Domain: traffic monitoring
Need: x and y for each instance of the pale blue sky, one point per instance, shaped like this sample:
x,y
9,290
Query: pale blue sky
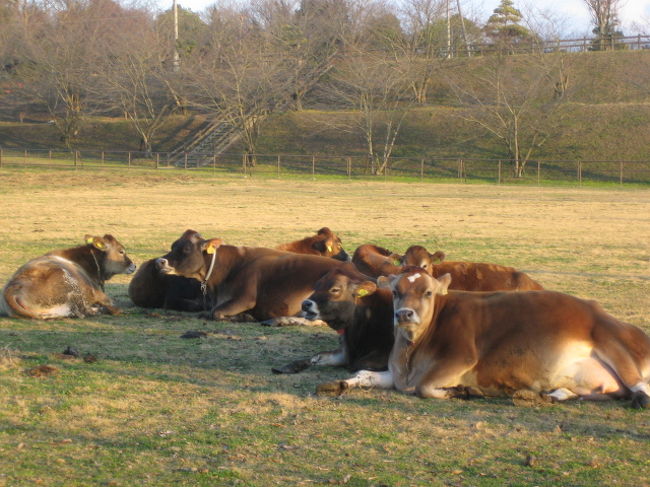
x,y
569,16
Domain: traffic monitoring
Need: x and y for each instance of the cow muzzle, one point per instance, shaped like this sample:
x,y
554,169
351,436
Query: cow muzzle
x,y
131,269
405,316
310,309
163,266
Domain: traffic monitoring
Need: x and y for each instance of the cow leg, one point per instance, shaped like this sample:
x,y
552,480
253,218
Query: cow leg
x,y
445,377
335,358
613,347
292,321
363,378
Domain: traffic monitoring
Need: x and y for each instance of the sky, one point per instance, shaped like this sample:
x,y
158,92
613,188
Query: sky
x,y
569,17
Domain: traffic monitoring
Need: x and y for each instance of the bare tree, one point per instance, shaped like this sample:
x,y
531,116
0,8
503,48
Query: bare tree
x,y
516,100
237,77
604,16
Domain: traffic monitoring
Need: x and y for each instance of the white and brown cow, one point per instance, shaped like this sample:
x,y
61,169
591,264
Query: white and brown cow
x,y
506,343
67,283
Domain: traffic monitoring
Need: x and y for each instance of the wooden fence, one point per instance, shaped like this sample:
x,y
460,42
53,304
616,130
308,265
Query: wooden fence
x,y
337,166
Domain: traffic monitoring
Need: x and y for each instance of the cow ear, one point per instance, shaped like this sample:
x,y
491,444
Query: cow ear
x,y
366,288
324,231
437,257
211,246
97,242
319,245
384,281
444,282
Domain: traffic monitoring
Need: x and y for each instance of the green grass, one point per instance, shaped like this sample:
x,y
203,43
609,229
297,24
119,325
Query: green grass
x,y
155,409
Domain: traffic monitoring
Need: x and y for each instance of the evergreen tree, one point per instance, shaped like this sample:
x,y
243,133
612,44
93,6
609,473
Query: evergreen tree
x,y
504,28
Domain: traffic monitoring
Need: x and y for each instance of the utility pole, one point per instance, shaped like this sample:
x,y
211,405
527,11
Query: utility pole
x,y
448,32
177,60
462,26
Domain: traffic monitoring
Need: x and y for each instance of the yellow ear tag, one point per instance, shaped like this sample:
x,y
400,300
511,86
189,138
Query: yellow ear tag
x,y
362,292
444,292
210,250
89,240
329,248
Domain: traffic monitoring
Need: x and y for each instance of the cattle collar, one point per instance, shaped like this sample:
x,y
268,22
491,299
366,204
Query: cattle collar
x,y
204,284
99,271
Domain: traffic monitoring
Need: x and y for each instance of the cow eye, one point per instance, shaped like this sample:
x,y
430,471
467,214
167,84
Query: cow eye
x,y
335,290
428,294
122,252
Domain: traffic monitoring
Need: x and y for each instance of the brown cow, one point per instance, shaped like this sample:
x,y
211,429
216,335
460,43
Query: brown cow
x,y
470,276
360,313
541,342
325,243
375,261
68,282
151,289
265,283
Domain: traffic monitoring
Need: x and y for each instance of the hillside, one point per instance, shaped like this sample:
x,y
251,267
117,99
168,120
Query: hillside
x,y
608,117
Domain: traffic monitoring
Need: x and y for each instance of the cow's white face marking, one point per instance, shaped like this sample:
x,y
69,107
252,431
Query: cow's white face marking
x,y
414,277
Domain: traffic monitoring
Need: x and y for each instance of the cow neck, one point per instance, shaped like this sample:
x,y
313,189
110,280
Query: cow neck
x,y
222,262
85,258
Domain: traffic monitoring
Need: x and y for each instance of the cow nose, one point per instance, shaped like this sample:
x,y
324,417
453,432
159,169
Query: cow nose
x,y
307,305
161,263
405,315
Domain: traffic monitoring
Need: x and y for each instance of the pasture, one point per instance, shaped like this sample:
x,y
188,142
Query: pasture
x,y
156,409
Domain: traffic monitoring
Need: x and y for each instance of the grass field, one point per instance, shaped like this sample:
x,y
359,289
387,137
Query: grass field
x,y
155,409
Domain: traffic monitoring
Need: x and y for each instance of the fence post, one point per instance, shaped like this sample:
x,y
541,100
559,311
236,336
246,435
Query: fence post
x,y
129,159
214,163
349,167
313,167
49,153
421,170
580,173
538,172
278,165
243,164
499,182
620,172
0,157
75,159
25,158
103,158
185,159
157,160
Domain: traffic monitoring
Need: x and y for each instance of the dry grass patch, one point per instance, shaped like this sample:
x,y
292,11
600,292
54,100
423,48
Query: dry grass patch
x,y
156,409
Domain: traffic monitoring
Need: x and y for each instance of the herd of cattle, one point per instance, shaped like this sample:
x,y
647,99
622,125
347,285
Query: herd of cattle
x,y
413,322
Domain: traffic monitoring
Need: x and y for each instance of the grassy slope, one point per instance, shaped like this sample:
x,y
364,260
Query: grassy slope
x,y
608,118
159,410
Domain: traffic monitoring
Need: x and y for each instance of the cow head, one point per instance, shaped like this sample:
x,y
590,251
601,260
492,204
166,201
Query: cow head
x,y
335,297
414,294
187,256
328,244
416,255
111,258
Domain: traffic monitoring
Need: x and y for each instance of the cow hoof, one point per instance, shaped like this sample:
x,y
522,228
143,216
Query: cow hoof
x,y
292,368
640,400
334,388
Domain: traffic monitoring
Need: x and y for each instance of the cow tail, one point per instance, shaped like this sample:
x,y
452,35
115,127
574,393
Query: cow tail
x,y
10,306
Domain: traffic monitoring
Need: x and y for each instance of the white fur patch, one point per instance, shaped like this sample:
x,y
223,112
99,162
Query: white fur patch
x,y
414,277
368,378
641,387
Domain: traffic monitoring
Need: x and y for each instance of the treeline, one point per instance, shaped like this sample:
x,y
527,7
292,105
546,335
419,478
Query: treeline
x,y
239,62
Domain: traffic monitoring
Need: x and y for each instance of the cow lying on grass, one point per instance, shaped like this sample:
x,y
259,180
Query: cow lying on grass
x,y
66,283
150,288
325,243
469,276
541,342
375,261
263,283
